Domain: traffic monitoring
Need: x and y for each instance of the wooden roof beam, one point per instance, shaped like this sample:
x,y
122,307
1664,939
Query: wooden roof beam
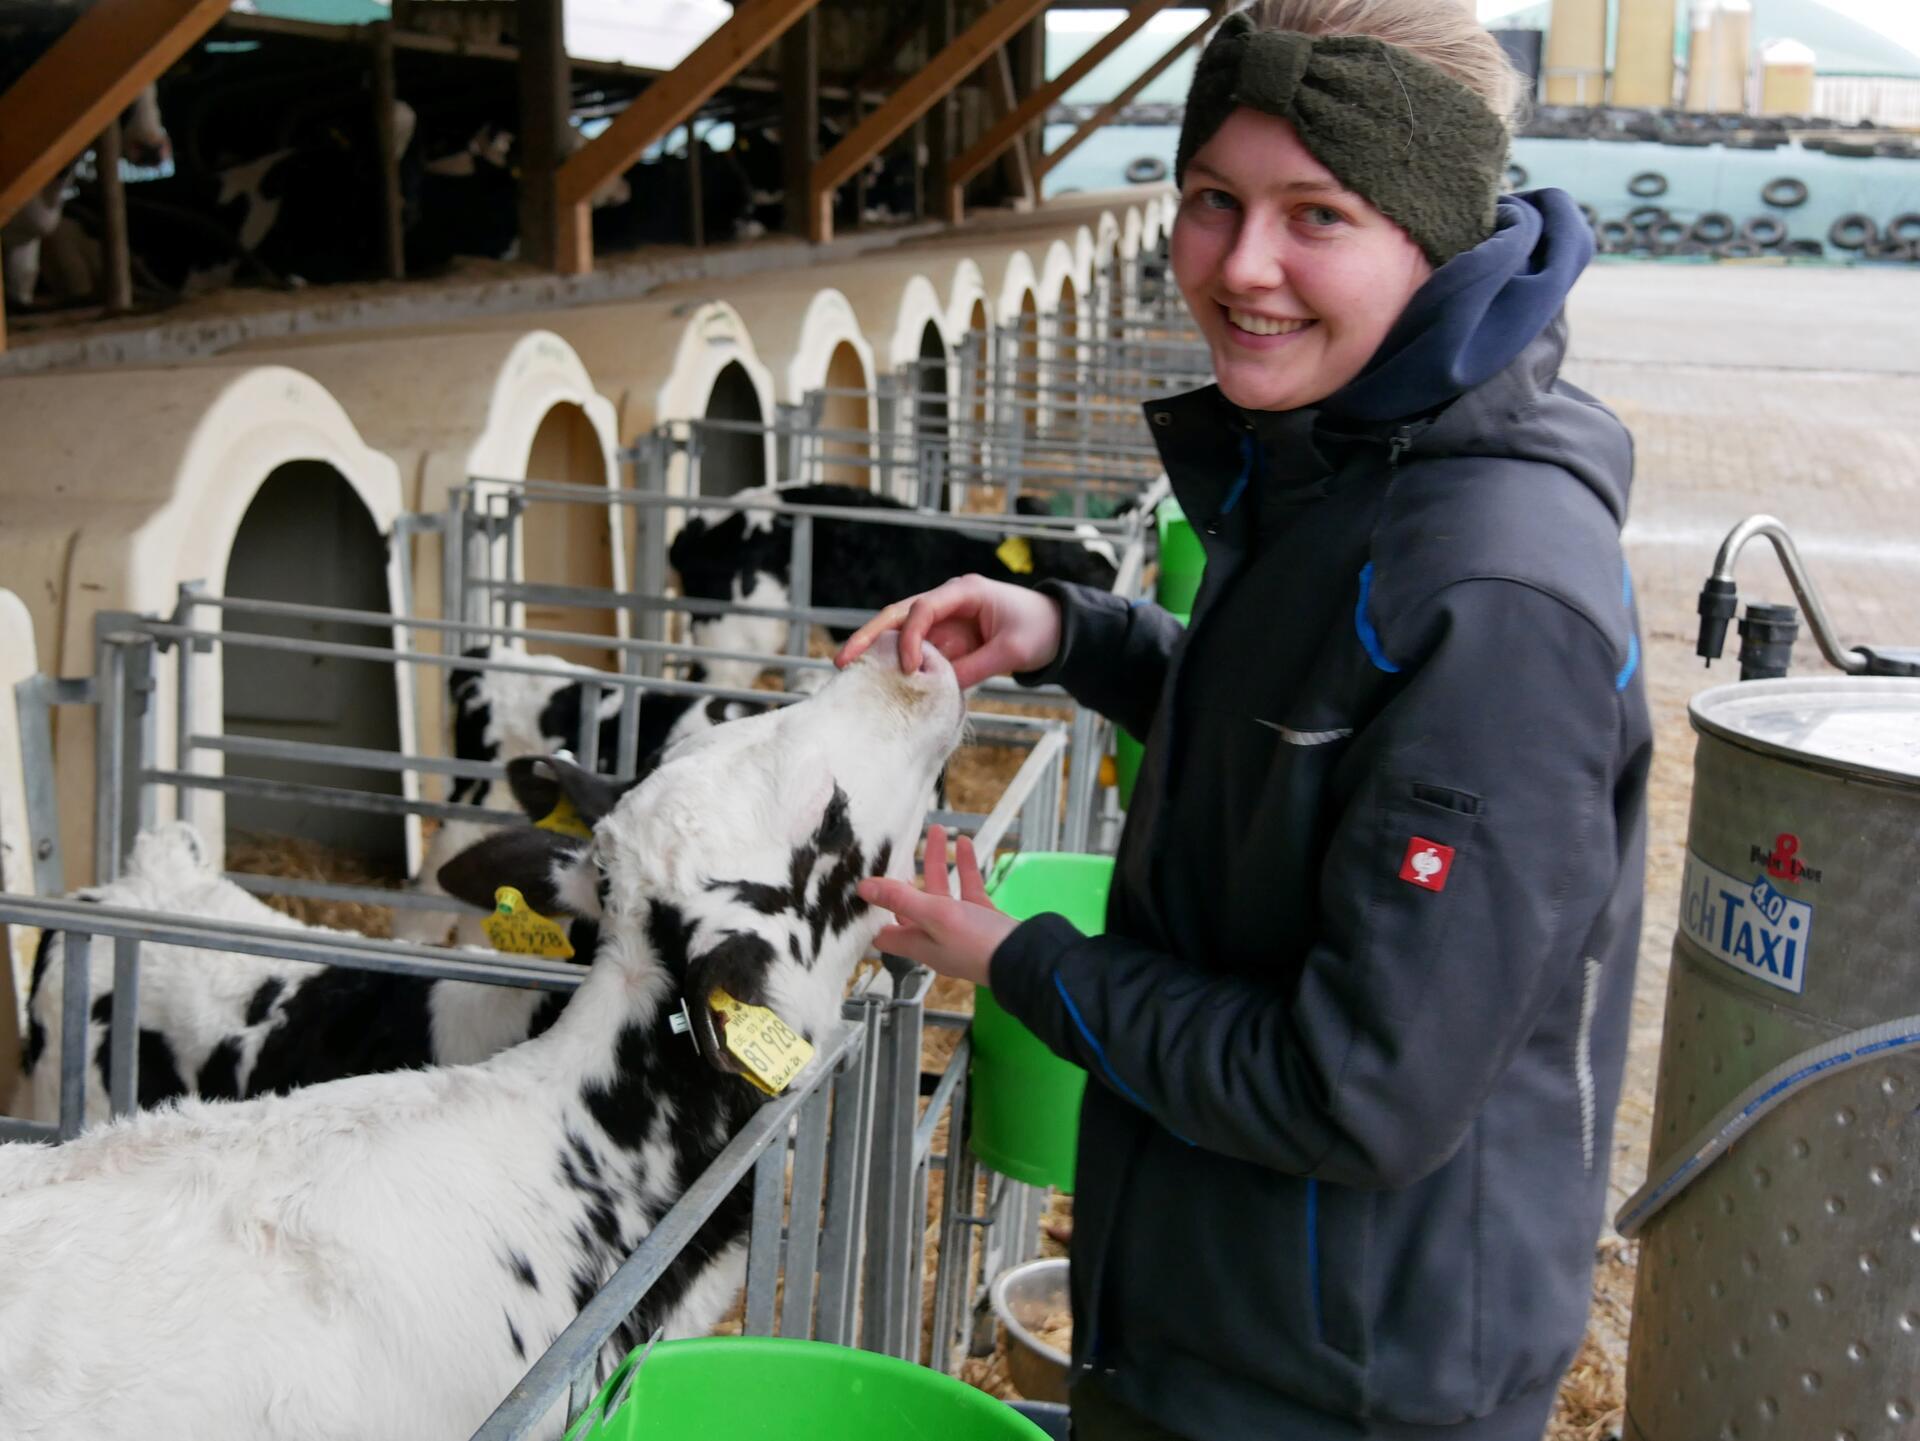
x,y
113,51
913,99
1010,127
671,100
1113,107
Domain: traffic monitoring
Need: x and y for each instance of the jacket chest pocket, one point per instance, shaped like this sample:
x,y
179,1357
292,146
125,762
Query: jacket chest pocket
x,y
1425,857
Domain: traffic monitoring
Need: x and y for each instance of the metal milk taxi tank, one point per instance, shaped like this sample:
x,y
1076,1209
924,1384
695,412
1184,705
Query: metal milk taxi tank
x,y
1779,1229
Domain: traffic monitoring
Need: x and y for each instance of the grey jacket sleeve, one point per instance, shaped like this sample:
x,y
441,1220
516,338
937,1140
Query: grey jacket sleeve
x,y
1418,993
1113,656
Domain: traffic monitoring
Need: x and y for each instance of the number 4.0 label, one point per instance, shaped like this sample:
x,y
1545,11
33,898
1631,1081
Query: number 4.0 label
x,y
1749,925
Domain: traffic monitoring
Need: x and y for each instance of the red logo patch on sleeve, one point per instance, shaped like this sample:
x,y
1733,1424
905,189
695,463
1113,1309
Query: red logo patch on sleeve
x,y
1427,864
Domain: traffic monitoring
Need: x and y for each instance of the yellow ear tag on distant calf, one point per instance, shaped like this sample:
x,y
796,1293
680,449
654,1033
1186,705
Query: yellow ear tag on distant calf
x,y
565,820
1016,555
518,929
769,1050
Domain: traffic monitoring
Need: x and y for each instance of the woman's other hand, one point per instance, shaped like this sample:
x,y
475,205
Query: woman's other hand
x,y
955,938
985,627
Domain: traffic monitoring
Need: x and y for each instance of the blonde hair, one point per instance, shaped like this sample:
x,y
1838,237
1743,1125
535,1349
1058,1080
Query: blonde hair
x,y
1444,33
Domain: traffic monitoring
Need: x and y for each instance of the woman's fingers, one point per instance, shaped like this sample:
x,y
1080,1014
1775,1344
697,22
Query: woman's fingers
x,y
936,862
973,889
984,663
892,618
905,901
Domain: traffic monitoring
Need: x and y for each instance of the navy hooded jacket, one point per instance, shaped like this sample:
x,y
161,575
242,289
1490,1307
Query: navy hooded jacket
x,y
1357,1026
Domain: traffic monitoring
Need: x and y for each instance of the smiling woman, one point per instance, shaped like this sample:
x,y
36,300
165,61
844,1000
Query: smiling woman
x,y
1293,278
1358,1016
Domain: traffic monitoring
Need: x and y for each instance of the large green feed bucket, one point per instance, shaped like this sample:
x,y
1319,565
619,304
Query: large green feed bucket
x,y
1182,559
1128,752
763,1389
1026,1100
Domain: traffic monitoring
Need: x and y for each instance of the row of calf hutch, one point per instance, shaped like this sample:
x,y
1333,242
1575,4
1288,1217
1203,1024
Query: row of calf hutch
x,y
296,488
284,470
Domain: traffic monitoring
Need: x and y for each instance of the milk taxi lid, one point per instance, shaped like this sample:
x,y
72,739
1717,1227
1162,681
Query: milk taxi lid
x,y
1867,726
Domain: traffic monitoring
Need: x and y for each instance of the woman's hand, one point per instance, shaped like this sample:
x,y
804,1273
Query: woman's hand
x,y
985,627
955,938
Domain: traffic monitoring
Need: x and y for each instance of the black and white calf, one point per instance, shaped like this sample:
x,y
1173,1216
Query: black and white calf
x,y
745,557
383,1256
223,1027
500,716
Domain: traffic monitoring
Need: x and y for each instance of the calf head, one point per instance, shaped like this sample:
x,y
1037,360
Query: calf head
x,y
734,865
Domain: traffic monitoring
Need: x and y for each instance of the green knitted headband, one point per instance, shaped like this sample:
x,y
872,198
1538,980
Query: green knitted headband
x,y
1420,147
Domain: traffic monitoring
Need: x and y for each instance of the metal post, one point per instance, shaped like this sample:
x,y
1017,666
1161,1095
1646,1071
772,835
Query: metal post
x,y
117,253
76,982
123,1034
385,102
803,1227
109,756
763,1238
800,594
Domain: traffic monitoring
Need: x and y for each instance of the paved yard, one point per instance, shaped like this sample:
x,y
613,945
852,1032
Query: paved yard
x,y
1795,392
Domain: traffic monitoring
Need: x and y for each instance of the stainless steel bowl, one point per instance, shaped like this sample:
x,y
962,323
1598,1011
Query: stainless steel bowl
x,y
1022,1300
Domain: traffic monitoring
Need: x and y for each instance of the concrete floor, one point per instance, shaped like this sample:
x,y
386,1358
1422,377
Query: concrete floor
x,y
1790,391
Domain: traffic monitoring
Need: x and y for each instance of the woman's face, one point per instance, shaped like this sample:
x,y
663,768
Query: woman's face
x,y
1295,280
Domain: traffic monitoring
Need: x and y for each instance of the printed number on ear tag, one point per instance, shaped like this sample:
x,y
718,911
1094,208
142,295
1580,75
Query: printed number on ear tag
x,y
565,820
518,929
1016,555
769,1050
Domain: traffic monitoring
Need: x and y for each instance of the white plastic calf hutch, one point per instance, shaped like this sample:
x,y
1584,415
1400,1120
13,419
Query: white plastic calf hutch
x,y
906,323
510,404
17,663
810,340
677,359
119,487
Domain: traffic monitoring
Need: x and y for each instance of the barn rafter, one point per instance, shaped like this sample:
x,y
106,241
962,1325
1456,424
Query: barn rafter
x,y
954,63
1106,113
1011,126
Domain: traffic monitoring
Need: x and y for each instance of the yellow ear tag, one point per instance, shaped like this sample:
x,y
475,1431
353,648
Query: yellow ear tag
x,y
518,929
767,1048
565,820
1016,555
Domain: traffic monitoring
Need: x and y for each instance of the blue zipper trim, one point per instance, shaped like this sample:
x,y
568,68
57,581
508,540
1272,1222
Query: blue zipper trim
x,y
1363,625
1100,1055
1313,1259
1245,477
1633,638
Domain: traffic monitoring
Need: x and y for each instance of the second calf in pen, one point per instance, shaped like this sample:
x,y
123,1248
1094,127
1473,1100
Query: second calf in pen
x,y
223,1027
384,1256
745,557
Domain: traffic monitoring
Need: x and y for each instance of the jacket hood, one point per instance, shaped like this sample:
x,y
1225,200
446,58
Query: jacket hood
x,y
1477,313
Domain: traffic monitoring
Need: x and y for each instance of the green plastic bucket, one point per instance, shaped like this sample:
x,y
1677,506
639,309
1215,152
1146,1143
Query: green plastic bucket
x,y
1026,1100
1182,559
1128,752
766,1389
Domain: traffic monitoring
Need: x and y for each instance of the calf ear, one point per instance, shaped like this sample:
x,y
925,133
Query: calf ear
x,y
539,864
689,535
538,783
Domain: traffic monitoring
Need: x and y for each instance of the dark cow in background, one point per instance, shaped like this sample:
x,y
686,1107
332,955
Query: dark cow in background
x,y
745,557
889,176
